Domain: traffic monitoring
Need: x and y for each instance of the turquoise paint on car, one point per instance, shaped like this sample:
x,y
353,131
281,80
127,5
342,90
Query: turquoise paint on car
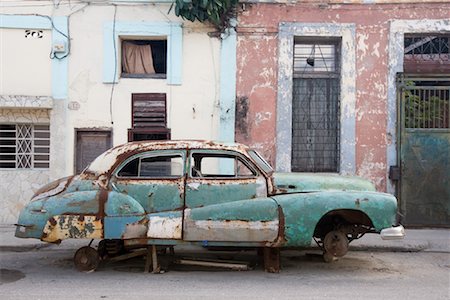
x,y
210,206
198,194
120,205
115,227
154,196
313,182
260,209
299,226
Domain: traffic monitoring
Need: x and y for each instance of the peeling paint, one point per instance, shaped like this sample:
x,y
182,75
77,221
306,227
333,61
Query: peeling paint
x,y
61,227
372,53
164,227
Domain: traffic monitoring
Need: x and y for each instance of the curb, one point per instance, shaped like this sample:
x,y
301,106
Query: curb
x,y
406,248
23,248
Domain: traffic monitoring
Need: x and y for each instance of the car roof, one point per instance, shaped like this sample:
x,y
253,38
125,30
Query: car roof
x,y
107,160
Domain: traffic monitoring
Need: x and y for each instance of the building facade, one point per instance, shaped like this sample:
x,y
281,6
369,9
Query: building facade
x,y
347,87
80,77
318,91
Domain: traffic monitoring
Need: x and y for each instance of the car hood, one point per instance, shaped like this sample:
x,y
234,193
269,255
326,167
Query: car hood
x,y
286,183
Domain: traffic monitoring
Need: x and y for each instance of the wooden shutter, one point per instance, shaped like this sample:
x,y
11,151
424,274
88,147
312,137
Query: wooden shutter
x,y
149,117
149,110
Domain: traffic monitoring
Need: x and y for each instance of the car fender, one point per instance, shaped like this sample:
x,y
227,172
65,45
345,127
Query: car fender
x,y
303,211
84,214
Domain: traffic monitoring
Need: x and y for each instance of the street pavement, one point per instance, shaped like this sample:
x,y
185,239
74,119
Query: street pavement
x,y
417,267
416,240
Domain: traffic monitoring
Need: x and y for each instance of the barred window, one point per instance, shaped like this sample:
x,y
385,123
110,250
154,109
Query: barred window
x,y
24,146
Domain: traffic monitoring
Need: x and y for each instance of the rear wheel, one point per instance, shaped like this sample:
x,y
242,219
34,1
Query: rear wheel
x,y
335,244
86,259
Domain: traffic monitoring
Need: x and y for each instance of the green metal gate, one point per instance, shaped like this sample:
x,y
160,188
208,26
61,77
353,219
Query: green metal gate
x,y
424,149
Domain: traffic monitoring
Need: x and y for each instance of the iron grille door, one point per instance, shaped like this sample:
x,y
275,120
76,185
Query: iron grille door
x,y
424,150
315,107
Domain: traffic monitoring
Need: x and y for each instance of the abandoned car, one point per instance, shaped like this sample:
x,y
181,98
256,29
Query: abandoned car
x,y
211,194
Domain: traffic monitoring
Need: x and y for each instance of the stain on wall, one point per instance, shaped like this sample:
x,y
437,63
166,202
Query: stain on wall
x,y
257,71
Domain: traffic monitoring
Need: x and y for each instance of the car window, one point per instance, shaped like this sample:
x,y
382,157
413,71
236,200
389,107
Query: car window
x,y
260,161
153,167
219,165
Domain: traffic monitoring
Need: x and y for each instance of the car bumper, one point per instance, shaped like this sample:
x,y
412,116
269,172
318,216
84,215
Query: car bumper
x,y
393,233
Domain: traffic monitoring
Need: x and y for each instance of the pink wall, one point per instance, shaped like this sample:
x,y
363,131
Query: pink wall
x,y
257,72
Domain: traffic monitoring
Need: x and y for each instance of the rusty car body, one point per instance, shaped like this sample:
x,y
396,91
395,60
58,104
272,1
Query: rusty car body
x,y
206,193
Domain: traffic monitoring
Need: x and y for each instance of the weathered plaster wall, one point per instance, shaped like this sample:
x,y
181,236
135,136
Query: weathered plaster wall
x,y
192,103
17,187
79,97
287,32
258,68
19,67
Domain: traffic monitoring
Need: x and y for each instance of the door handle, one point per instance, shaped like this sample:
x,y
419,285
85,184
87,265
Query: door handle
x,y
193,186
113,185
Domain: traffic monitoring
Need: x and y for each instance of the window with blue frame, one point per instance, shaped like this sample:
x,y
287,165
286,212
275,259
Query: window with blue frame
x,y
144,58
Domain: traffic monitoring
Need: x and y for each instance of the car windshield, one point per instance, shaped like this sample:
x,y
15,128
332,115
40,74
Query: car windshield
x,y
262,163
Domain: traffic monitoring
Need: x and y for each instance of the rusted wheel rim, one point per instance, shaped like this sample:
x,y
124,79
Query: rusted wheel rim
x,y
336,243
86,259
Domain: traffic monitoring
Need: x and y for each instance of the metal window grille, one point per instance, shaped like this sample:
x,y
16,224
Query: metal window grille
x,y
427,54
426,101
316,60
24,146
315,107
428,46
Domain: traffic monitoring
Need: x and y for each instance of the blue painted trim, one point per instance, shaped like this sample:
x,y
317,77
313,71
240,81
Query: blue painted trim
x,y
227,86
173,32
24,22
59,67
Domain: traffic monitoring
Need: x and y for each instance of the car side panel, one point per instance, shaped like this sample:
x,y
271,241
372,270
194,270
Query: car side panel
x,y
154,195
304,210
252,220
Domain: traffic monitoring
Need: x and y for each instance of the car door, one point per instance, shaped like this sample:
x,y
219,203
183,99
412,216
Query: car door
x,y
156,180
226,199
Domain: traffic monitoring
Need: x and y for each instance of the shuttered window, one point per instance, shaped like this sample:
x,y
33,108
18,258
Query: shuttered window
x,y
149,117
24,146
149,110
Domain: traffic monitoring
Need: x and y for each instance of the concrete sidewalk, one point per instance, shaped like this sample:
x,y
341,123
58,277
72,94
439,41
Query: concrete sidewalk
x,y
431,240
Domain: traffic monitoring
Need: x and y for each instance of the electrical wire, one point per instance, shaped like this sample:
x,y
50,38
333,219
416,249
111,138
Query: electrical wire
x,y
115,65
67,36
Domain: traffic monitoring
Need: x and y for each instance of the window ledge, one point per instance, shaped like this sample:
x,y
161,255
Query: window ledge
x,y
144,76
26,102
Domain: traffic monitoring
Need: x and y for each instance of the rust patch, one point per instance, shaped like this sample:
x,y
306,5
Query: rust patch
x,y
272,260
280,240
136,230
72,226
102,198
52,221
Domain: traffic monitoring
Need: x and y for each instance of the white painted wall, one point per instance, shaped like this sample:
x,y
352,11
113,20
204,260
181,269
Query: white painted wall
x,y
25,61
17,187
192,107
